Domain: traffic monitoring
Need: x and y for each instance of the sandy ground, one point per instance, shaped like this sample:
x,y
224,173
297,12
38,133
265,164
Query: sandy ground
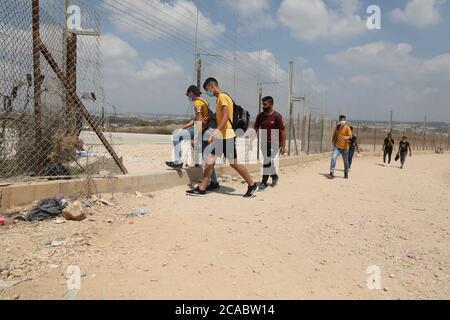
x,y
308,238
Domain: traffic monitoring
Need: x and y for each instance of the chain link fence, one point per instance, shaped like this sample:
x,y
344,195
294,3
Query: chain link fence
x,y
51,91
314,134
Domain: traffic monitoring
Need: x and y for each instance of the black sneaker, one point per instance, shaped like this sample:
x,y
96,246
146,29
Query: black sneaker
x,y
262,186
196,193
213,187
174,165
346,176
251,191
275,180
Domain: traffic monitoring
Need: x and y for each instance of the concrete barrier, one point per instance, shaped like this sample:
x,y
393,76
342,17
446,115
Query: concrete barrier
x,y
26,192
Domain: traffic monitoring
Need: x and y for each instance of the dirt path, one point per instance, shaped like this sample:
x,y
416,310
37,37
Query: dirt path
x,y
309,238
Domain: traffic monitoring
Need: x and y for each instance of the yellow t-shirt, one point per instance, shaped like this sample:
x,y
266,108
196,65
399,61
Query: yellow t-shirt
x,y
225,100
339,135
201,106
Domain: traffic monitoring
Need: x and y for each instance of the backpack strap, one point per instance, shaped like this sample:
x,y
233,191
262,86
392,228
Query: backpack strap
x,y
210,112
229,118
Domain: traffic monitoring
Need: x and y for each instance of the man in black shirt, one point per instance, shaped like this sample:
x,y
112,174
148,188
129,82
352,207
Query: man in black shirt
x,y
388,148
403,149
353,147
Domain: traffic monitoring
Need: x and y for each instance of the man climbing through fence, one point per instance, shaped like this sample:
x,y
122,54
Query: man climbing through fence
x,y
204,119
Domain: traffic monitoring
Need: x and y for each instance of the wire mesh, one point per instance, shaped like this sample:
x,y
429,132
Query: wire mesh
x,y
51,86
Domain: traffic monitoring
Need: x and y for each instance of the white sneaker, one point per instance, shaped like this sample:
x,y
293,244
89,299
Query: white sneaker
x,y
385,165
389,165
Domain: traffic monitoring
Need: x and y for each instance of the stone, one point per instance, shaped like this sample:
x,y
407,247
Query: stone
x,y
74,212
58,242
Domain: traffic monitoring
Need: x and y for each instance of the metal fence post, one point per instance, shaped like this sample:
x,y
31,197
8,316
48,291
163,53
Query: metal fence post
x,y
322,133
448,138
37,87
309,133
375,141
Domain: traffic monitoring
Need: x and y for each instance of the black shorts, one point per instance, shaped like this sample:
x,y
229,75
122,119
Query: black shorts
x,y
225,147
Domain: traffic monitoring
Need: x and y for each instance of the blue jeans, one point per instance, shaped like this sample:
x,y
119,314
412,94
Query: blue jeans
x,y
336,152
187,135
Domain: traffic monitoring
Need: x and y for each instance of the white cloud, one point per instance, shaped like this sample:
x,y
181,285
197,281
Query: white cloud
x,y
155,19
419,13
115,48
134,83
254,14
121,58
313,19
384,76
395,58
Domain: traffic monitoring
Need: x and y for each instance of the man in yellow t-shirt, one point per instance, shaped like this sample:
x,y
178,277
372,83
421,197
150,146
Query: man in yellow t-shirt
x,y
341,142
205,120
223,141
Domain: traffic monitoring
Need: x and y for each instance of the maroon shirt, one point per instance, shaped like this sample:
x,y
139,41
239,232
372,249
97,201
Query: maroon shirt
x,y
269,123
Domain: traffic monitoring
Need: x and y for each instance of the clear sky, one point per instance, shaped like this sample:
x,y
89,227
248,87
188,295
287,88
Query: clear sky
x,y
340,65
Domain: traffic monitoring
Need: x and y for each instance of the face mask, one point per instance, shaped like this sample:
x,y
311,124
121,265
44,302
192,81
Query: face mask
x,y
343,122
209,94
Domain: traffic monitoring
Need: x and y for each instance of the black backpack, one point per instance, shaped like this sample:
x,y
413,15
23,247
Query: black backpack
x,y
241,117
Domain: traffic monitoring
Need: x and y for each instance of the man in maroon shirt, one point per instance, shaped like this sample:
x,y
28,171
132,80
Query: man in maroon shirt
x,y
273,139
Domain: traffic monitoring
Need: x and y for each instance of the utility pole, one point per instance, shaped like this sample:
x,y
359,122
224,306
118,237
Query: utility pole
x,y
424,133
291,104
448,138
198,69
37,86
291,101
235,57
198,62
259,112
392,118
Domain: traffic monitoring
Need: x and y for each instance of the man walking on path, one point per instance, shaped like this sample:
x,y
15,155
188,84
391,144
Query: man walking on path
x,y
273,140
223,142
403,149
388,149
341,138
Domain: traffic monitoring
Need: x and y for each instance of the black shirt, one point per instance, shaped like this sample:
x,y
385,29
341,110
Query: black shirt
x,y
352,141
404,146
389,143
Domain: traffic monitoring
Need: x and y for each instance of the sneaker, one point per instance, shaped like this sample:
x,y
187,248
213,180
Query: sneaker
x,y
346,176
262,186
251,191
330,176
275,181
213,187
174,165
196,193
